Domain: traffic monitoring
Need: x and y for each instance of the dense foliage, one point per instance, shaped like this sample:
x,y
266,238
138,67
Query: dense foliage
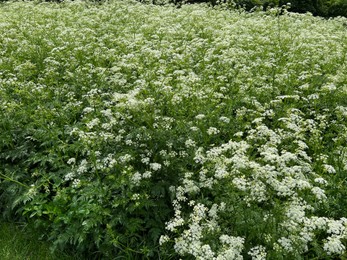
x,y
139,131
20,241
325,8
316,7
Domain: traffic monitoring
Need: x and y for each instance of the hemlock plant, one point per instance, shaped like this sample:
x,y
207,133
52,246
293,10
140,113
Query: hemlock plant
x,y
131,130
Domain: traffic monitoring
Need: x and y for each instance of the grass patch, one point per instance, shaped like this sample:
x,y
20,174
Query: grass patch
x,y
18,241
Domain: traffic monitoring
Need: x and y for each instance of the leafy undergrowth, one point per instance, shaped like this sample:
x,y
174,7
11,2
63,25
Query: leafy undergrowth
x,y
18,241
139,131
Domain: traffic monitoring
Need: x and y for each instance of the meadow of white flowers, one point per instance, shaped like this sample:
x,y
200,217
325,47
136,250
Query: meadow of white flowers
x,y
222,134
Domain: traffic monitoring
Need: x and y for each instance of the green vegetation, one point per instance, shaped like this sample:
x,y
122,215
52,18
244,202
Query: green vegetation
x,y
140,131
325,8
18,242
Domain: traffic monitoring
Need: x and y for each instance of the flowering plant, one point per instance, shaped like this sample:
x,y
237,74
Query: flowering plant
x,y
150,131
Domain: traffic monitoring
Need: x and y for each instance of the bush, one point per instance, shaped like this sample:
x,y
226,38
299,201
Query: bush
x,y
326,8
142,131
338,8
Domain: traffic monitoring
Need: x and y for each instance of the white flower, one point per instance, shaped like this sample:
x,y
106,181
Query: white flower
x,y
206,252
163,239
319,193
342,110
82,168
328,87
335,227
313,96
155,166
136,178
329,169
221,172
334,246
128,142
257,253
320,181
69,176
200,116
135,196
76,183
238,134
176,222
189,143
93,123
286,244
145,160
233,248
240,183
146,175
71,161
224,119
125,158
88,110
212,131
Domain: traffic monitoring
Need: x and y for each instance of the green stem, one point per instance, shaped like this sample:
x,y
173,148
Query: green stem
x,y
3,176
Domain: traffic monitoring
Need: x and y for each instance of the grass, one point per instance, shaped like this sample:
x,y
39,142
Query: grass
x,y
20,242
17,242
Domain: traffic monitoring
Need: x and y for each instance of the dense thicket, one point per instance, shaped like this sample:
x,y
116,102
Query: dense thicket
x,y
324,8
133,131
316,7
